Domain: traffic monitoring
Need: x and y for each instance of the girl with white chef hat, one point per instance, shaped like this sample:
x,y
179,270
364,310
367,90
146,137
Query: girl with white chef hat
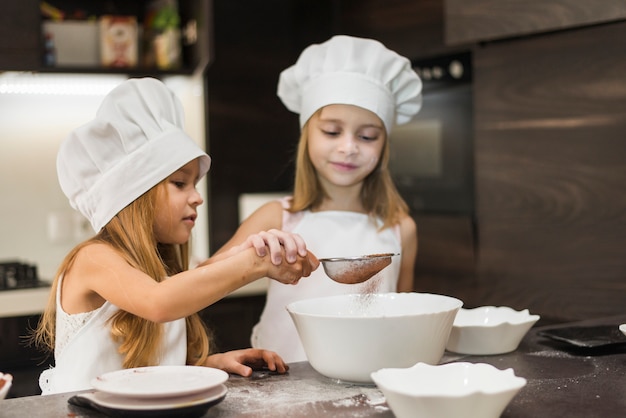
x,y
126,298
349,93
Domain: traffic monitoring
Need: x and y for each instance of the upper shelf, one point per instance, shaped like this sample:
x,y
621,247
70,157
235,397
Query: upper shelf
x,y
27,38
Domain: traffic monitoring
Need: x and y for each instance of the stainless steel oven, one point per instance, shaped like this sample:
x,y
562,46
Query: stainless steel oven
x,y
432,156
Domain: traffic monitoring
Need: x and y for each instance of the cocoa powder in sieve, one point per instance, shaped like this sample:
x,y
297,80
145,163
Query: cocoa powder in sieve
x,y
364,271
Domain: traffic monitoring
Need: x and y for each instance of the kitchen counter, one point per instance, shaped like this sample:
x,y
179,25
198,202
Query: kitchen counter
x,y
22,302
562,381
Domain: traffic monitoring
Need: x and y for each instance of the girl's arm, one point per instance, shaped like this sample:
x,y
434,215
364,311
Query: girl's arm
x,y
100,273
408,236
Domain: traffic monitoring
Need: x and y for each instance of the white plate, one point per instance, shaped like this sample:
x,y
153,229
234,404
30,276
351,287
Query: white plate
x,y
110,401
623,328
159,381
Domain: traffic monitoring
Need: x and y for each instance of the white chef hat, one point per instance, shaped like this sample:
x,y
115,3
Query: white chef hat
x,y
354,71
135,141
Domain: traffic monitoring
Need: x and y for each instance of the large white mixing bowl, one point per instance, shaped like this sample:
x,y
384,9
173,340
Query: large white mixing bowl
x,y
347,337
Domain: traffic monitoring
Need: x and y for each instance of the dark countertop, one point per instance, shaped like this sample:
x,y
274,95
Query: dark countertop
x,y
562,381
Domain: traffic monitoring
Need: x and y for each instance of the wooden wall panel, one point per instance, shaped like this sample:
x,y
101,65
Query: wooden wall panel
x,y
551,172
446,258
481,20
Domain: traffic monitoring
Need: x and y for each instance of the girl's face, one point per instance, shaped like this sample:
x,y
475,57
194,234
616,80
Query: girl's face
x,y
176,205
345,144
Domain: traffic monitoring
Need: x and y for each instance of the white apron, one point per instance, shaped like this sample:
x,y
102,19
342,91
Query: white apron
x,y
91,351
327,234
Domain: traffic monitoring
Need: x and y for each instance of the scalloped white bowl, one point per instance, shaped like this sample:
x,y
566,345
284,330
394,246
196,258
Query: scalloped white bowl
x,y
623,328
7,381
347,337
448,391
489,330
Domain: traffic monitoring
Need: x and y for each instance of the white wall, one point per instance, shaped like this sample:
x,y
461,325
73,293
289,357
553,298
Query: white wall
x,y
31,129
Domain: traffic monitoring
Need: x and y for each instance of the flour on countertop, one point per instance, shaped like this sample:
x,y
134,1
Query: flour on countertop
x,y
551,354
257,396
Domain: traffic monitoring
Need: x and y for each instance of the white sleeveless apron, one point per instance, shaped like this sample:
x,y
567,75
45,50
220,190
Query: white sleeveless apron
x,y
91,351
326,234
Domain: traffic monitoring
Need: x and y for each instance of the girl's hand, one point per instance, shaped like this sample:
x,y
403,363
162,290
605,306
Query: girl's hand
x,y
278,243
291,273
242,362
266,251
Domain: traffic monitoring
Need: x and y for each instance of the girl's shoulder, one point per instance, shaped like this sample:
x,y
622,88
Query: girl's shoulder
x,y
285,202
97,253
406,221
96,247
289,219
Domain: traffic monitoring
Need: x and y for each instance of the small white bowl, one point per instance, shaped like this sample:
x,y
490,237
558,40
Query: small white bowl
x,y
623,328
489,330
449,390
6,380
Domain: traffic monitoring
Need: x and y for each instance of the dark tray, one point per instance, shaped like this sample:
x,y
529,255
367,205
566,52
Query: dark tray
x,y
587,336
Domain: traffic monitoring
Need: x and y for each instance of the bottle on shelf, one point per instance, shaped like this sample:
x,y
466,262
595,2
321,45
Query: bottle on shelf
x,y
49,54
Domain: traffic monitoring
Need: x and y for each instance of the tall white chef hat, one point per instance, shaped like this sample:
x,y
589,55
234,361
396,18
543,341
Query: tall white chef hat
x,y
135,141
354,71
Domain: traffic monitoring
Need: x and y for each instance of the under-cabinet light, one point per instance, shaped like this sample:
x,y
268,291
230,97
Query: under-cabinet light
x,y
58,84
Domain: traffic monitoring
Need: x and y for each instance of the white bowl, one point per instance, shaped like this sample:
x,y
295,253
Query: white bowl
x,y
6,380
347,337
623,328
489,330
450,390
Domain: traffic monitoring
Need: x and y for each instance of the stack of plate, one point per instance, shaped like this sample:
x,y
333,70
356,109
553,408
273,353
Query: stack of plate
x,y
181,391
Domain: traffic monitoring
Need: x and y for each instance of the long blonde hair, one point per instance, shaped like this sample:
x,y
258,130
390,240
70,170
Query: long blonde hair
x,y
131,233
379,195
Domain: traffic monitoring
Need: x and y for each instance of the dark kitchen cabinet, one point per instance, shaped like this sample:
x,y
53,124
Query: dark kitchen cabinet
x,y
414,29
230,321
251,136
18,358
22,42
19,35
485,20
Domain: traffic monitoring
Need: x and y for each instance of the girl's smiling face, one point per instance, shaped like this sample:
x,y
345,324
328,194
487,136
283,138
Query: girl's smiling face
x,y
176,206
345,144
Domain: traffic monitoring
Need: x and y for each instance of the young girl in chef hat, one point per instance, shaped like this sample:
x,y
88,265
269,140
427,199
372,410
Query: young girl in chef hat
x,y
349,93
125,298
